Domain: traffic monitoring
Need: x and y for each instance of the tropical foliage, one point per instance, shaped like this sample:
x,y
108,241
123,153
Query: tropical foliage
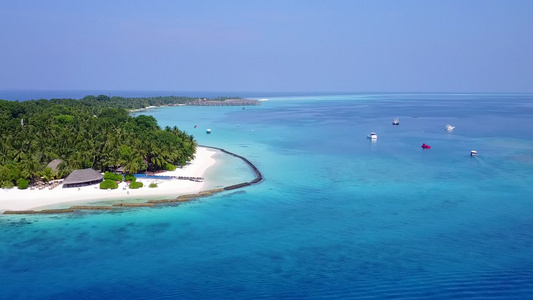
x,y
112,176
94,132
22,183
136,185
130,177
170,167
7,184
108,184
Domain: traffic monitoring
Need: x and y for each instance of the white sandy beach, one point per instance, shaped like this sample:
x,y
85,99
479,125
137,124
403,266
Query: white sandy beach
x,y
145,108
15,199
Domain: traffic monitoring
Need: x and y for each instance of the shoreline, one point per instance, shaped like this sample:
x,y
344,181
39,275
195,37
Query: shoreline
x,y
22,200
92,198
227,102
145,108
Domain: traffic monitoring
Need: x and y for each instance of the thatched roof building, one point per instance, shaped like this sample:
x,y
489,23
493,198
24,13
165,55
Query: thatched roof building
x,y
54,164
82,178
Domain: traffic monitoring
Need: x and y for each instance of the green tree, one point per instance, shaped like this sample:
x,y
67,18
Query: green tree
x,y
131,160
29,166
47,174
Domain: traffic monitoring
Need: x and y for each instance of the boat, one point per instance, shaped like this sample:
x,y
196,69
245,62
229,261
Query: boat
x,y
473,153
449,127
372,136
195,126
424,146
208,131
396,121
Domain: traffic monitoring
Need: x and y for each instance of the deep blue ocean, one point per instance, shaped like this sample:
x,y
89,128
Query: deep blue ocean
x,y
337,217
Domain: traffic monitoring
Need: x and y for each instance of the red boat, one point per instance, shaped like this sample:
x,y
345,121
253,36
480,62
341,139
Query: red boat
x,y
424,146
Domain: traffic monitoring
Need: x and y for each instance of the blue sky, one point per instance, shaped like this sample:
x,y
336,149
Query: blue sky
x,y
338,46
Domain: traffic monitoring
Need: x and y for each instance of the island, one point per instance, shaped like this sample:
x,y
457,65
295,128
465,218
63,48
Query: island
x,y
69,150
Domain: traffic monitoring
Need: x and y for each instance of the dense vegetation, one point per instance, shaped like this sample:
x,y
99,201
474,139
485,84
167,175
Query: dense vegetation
x,y
108,184
113,176
130,178
136,103
94,132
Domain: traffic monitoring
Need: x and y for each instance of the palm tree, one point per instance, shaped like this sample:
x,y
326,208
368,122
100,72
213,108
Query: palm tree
x,y
47,174
29,166
63,169
131,160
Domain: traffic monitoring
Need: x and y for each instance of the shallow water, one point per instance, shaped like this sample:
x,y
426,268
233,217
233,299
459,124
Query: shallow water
x,y
336,217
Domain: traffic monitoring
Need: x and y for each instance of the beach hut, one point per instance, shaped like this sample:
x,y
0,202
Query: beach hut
x,y
82,178
54,164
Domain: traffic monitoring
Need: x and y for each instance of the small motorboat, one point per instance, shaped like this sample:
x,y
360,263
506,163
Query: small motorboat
x,y
424,146
473,153
396,121
372,136
195,126
208,131
449,127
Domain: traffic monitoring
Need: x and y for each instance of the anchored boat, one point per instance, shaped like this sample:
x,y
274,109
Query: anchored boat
x,y
449,127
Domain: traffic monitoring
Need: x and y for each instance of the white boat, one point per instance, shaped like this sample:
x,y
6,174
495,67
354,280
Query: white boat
x,y
473,153
208,130
449,127
372,136
396,121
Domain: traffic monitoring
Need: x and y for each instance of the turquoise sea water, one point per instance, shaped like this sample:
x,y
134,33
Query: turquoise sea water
x,y
337,216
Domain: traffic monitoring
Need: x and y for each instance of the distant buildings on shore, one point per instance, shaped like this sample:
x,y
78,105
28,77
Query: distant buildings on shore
x,y
227,102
